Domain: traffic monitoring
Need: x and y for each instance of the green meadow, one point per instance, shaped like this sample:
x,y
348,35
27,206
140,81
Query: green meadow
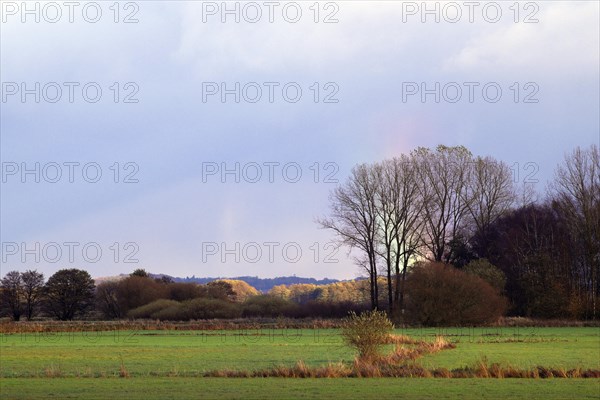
x,y
159,364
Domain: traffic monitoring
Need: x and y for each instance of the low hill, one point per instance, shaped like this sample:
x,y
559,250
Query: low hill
x,y
261,284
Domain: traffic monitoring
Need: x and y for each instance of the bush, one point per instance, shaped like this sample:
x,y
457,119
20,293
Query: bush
x,y
438,294
268,306
328,309
367,333
151,309
202,308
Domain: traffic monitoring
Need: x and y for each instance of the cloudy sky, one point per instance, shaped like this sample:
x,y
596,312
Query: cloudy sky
x,y
171,137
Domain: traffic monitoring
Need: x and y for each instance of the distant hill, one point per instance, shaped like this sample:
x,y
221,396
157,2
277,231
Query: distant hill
x,y
263,284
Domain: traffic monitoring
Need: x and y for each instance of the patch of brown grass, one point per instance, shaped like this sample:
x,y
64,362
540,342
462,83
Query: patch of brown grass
x,y
421,348
123,373
53,371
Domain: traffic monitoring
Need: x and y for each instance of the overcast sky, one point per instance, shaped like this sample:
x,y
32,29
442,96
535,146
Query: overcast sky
x,y
315,98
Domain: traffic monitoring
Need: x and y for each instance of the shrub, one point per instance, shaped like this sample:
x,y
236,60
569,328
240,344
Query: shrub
x,y
173,312
367,333
203,308
268,306
149,310
327,309
200,308
438,294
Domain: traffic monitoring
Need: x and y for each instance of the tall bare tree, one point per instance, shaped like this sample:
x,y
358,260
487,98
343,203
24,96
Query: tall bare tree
x,y
444,175
353,218
576,190
490,194
399,206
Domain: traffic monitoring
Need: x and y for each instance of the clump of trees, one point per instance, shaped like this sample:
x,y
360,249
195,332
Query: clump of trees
x,y
20,293
69,293
141,296
416,206
449,206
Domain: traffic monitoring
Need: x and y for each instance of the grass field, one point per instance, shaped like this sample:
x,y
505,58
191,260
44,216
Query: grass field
x,y
161,364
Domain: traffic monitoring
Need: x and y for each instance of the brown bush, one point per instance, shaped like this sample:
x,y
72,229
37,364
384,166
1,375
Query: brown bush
x,y
439,294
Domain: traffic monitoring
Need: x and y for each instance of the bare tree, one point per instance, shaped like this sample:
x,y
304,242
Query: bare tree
x,y
444,177
490,194
33,290
398,207
12,294
353,218
576,190
107,299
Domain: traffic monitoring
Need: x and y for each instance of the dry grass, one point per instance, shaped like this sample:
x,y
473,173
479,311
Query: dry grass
x,y
544,323
10,327
400,364
123,373
362,369
404,353
53,371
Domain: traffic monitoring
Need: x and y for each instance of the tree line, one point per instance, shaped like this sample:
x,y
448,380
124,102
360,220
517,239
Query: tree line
x,y
72,294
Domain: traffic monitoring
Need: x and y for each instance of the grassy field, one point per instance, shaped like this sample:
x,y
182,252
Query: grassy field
x,y
162,363
276,388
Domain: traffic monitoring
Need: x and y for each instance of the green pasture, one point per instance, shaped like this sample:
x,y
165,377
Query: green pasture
x,y
161,364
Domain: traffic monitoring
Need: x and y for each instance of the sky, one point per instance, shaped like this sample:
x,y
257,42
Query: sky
x,y
197,138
